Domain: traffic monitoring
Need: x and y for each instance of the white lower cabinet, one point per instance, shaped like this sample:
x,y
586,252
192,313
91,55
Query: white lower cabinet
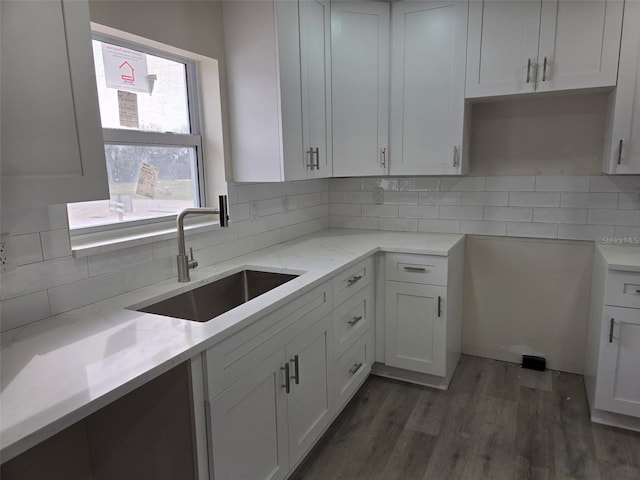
x,y
612,359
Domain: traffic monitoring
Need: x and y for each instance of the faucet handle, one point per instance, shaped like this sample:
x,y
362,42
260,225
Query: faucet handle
x,y
191,252
191,264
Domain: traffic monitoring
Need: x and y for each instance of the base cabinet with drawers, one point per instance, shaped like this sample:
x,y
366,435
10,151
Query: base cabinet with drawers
x,y
612,358
423,317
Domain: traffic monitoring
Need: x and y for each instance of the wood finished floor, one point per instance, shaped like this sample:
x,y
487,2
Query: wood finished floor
x,y
496,421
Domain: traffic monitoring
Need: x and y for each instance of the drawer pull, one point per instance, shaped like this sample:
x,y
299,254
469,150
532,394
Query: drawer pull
x,y
439,306
287,378
611,330
296,370
354,320
353,370
353,280
415,269
638,292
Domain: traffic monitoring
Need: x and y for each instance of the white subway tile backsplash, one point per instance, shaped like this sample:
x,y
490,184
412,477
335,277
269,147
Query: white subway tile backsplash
x,y
430,184
624,218
25,309
305,228
419,211
511,214
18,221
367,223
399,224
461,213
77,294
358,197
585,232
379,210
239,212
439,226
347,184
26,248
388,184
534,199
462,184
510,184
156,271
110,262
540,230
267,239
629,200
483,228
440,198
562,184
615,183
401,198
560,215
627,235
346,209
485,198
264,208
55,244
590,200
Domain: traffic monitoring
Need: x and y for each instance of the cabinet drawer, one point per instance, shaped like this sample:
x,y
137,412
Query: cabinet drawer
x,y
623,289
236,356
352,319
352,368
352,280
425,269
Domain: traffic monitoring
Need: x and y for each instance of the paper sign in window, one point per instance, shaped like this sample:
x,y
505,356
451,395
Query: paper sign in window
x,y
147,180
125,69
128,109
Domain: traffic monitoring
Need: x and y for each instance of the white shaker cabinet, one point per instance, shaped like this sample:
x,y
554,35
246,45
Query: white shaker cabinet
x,y
277,58
622,141
612,359
428,51
360,87
51,136
542,45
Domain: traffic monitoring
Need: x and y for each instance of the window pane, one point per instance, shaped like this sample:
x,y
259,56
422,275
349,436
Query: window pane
x,y
173,190
165,109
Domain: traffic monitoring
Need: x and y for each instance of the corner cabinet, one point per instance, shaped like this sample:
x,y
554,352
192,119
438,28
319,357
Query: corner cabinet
x,y
360,87
612,358
423,317
52,148
279,89
542,45
428,51
622,143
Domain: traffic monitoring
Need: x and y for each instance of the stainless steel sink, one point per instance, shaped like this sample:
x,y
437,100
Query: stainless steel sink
x,y
208,301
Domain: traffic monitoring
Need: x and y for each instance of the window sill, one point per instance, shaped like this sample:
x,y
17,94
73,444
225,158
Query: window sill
x,y
83,245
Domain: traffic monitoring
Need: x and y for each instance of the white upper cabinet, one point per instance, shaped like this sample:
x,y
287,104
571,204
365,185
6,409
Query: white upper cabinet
x,y
622,143
278,84
429,40
360,87
51,136
543,45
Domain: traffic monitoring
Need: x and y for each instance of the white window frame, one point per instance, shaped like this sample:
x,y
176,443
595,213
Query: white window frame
x,y
145,138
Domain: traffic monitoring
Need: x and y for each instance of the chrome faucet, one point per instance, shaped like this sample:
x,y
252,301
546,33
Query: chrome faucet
x,y
184,262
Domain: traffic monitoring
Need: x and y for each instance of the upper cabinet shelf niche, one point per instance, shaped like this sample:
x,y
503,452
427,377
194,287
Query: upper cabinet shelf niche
x,y
279,88
542,45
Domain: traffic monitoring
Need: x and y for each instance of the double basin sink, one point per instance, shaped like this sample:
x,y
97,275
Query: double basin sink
x,y
208,301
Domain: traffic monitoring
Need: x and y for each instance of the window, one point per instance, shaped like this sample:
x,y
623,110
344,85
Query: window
x,y
153,146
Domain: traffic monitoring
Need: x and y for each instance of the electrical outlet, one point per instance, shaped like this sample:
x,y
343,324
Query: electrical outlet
x,y
378,195
6,260
253,206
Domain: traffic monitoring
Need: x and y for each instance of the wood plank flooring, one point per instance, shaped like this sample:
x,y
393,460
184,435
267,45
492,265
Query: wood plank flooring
x,y
497,421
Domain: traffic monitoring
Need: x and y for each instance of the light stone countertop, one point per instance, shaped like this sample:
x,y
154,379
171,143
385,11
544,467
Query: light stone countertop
x,y
621,257
59,370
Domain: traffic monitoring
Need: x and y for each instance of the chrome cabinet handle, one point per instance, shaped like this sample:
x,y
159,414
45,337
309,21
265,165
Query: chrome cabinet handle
x,y
353,370
529,71
317,154
310,157
544,70
439,306
415,269
620,152
354,320
287,379
296,370
383,163
353,280
611,330
455,156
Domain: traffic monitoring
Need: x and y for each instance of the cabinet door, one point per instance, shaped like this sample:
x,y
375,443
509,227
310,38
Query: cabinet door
x,y
622,147
249,425
427,86
315,61
579,44
503,47
618,388
310,400
360,87
51,136
415,324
